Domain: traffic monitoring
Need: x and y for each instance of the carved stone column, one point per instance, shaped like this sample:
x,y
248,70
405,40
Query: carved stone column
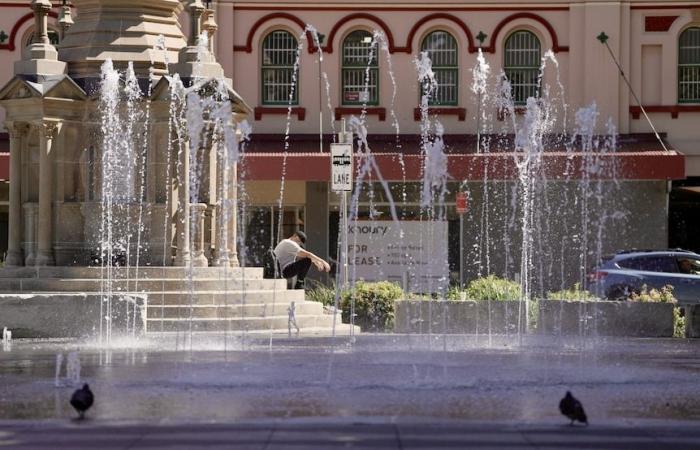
x,y
18,132
222,209
197,222
233,214
182,226
31,211
47,134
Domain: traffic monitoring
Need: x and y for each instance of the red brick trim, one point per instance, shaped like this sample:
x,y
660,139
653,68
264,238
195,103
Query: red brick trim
x,y
259,111
556,48
248,47
15,29
348,110
411,34
402,8
674,110
389,36
461,113
658,23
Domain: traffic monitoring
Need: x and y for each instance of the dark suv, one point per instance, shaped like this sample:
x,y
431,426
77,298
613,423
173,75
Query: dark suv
x,y
626,272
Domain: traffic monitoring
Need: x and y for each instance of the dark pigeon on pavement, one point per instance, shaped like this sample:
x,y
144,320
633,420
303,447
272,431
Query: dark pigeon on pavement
x,y
82,400
573,409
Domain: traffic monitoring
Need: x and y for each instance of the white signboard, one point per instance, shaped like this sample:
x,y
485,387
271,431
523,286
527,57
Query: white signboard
x,y
341,167
408,252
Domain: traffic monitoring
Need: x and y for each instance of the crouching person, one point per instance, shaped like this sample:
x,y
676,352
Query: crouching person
x,y
294,261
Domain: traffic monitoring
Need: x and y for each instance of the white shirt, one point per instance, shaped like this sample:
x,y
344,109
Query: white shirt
x,y
286,252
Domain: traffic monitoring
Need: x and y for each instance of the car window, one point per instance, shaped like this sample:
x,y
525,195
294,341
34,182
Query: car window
x,y
651,264
688,265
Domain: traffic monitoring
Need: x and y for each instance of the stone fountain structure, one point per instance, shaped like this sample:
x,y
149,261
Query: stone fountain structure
x,y
188,260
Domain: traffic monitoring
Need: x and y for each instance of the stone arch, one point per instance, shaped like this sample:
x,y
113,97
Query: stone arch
x,y
494,42
434,17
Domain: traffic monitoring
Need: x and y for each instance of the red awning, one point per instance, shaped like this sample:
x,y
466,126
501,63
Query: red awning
x,y
653,165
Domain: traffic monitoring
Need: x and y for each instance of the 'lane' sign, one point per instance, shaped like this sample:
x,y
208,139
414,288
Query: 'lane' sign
x,y
341,167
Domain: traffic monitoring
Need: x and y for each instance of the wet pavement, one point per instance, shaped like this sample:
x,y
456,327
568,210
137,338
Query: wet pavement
x,y
384,391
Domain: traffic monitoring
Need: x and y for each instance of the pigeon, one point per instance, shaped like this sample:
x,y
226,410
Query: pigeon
x,y
573,409
82,400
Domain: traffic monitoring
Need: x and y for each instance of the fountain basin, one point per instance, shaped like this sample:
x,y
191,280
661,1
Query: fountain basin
x,y
459,317
69,315
631,319
692,321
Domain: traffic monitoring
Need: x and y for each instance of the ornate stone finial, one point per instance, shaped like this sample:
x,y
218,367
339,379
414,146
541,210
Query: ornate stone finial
x,y
41,10
40,58
210,25
196,10
65,20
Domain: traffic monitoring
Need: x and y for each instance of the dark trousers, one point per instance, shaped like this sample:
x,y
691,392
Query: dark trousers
x,y
298,268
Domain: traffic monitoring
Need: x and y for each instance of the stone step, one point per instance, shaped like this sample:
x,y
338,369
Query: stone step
x,y
175,298
16,285
231,311
341,330
253,273
239,324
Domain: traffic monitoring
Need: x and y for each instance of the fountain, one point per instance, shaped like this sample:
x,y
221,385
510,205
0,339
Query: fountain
x,y
130,217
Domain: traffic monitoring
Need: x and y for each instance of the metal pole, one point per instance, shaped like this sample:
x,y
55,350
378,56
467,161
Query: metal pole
x,y
461,252
603,38
320,101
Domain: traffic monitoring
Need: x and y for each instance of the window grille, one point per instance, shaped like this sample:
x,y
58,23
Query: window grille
x,y
442,50
522,65
358,55
689,66
279,53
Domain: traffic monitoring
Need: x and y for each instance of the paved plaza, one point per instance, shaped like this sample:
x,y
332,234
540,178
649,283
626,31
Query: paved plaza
x,y
349,433
382,391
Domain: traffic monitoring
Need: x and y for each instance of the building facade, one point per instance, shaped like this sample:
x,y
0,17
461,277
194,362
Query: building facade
x,y
366,69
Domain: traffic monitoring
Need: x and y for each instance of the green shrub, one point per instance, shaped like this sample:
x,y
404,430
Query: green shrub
x,y
678,323
321,293
492,288
665,295
374,304
575,294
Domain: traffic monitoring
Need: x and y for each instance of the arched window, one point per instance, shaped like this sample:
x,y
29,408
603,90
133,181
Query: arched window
x,y
442,50
522,65
358,55
279,52
689,66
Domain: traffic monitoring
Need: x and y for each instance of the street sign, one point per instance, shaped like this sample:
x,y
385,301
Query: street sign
x,y
461,203
341,167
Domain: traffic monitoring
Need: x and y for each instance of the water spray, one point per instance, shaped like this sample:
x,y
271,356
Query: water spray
x,y
603,38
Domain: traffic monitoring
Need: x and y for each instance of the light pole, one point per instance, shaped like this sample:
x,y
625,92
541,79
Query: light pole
x,y
320,38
